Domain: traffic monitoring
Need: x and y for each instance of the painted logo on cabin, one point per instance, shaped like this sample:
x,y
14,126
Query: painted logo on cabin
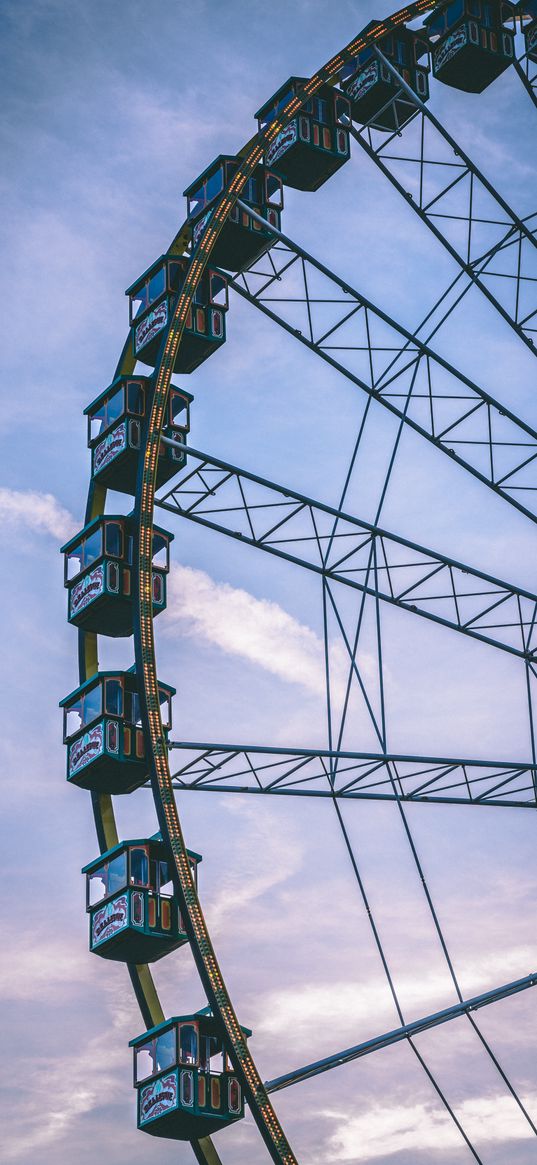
x,y
450,47
85,591
109,919
109,447
200,227
151,326
158,1098
281,143
363,82
86,749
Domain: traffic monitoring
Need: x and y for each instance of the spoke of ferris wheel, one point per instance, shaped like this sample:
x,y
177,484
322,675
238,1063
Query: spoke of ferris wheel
x,y
528,75
298,529
473,188
347,775
406,1031
414,383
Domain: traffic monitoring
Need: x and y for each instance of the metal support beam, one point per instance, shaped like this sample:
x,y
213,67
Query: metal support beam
x,y
373,776
337,546
393,367
464,196
407,1031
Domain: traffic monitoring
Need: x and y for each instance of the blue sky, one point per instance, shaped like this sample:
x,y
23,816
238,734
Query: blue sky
x,y
110,111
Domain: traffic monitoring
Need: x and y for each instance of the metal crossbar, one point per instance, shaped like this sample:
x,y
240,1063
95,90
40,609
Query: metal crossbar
x,y
373,776
338,546
495,247
394,367
406,1031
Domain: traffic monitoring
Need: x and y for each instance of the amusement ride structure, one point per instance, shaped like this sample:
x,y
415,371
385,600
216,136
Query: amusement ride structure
x,y
195,1072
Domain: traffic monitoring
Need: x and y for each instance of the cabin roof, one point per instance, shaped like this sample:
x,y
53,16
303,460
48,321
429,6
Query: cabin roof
x,y
208,170
104,857
107,518
103,675
203,1013
123,379
294,83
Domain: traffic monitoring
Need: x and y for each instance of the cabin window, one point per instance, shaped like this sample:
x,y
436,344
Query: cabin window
x,y
250,191
114,539
218,293
176,275
87,551
139,867
455,12
196,201
83,711
113,697
117,873
212,1056
343,111
135,398
156,285
165,884
322,110
138,302
160,551
179,410
144,1061
108,879
165,702
274,191
96,885
188,1044
133,712
401,54
106,415
214,186
165,1050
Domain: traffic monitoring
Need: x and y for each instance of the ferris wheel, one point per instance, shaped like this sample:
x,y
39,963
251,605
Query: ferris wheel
x,y
195,1072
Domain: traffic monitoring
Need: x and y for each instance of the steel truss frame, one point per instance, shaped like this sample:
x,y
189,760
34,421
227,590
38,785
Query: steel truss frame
x,y
344,549
459,205
395,368
283,772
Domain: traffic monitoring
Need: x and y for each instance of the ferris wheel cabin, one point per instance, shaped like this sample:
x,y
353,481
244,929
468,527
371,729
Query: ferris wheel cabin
x,y
372,87
106,747
98,574
242,239
115,420
185,1082
151,304
315,143
527,12
471,42
134,915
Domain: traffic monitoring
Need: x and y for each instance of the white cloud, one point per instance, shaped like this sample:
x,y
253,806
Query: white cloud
x,y
35,511
393,1128
258,630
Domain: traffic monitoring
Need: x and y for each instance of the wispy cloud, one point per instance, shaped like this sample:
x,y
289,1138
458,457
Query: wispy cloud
x,y
40,512
387,1129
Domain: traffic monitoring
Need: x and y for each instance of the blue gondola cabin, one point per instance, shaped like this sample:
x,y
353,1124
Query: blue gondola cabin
x,y
374,92
471,42
315,143
527,12
98,575
134,915
151,304
115,419
242,239
185,1083
106,748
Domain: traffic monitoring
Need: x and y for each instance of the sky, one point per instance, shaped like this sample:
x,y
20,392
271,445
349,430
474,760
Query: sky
x,y
108,113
